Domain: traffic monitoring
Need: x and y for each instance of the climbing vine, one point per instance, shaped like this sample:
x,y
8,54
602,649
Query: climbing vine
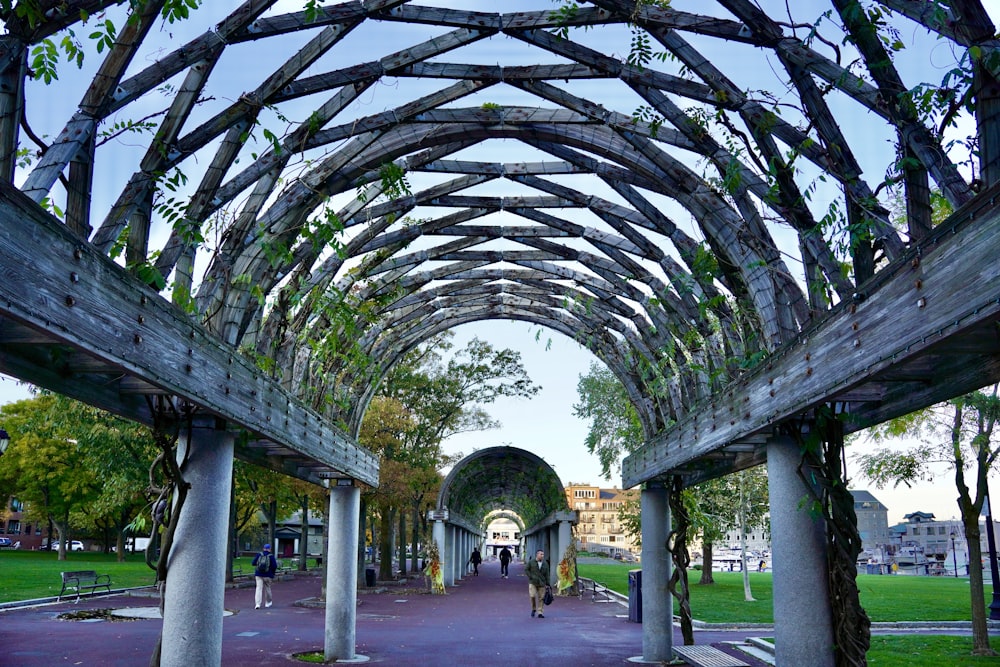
x,y
823,472
677,544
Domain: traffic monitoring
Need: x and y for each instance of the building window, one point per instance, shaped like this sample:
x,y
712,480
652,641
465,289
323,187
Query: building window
x,y
916,530
13,527
941,530
584,493
16,505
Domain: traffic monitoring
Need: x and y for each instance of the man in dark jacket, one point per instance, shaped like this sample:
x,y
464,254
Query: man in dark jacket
x,y
265,565
504,561
537,571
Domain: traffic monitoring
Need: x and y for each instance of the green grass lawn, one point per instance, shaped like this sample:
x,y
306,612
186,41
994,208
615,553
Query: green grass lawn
x,y
885,598
924,651
28,575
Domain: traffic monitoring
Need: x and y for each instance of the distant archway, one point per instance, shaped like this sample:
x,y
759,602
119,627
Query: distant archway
x,y
502,478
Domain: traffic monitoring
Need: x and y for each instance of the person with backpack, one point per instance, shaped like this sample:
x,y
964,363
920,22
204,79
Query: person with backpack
x,y
265,565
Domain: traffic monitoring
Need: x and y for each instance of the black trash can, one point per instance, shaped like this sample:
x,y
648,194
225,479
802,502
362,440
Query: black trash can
x,y
635,596
369,577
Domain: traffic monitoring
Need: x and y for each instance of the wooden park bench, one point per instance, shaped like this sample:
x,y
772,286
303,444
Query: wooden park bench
x,y
84,581
707,656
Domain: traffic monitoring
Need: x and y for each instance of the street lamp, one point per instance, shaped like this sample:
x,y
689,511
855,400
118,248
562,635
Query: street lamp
x,y
954,556
4,441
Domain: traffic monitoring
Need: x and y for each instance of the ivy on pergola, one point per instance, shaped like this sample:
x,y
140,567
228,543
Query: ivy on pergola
x,y
326,237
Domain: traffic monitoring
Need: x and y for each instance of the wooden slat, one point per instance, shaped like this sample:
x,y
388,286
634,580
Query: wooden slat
x,y
88,303
946,288
707,656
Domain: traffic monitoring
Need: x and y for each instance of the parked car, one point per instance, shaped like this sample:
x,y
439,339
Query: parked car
x,y
5,543
74,545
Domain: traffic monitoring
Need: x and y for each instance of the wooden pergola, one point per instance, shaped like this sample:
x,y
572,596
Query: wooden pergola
x,y
249,214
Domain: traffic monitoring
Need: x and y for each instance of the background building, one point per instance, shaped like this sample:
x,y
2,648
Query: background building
x,y
502,532
600,529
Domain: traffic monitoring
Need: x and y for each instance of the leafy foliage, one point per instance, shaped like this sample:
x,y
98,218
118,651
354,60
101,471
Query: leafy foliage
x,y
614,429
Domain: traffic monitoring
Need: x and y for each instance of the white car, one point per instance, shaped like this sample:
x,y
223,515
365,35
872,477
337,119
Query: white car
x,y
74,545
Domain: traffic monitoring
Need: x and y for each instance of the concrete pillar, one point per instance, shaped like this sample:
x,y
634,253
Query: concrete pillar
x,y
449,555
342,572
657,603
194,597
803,631
551,547
438,533
565,532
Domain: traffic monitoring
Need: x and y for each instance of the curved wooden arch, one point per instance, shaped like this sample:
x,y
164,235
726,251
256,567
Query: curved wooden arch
x,y
502,478
664,207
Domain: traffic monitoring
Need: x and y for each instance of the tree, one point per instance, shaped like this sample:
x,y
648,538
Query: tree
x,y
958,433
615,429
120,453
259,491
44,465
421,401
752,511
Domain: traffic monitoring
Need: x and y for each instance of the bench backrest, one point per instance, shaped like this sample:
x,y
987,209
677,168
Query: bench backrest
x,y
80,574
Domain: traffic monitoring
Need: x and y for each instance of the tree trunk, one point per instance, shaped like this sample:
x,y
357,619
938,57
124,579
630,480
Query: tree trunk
x,y
747,593
706,564
415,540
272,525
304,534
231,533
980,631
402,542
385,544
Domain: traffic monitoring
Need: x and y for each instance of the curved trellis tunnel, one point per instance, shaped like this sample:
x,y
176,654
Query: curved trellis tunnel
x,y
236,218
500,479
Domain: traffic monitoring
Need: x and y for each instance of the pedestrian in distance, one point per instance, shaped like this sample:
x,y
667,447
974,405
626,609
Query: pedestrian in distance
x,y
476,558
537,571
265,566
505,558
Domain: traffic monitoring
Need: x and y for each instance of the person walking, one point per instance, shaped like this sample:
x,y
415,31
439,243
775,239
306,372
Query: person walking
x,y
265,565
476,558
537,571
504,561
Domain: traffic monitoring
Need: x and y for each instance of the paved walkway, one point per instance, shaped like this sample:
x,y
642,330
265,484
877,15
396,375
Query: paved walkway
x,y
483,622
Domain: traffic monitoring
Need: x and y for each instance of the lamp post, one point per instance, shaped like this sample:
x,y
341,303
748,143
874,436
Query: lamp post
x,y
992,545
4,441
954,556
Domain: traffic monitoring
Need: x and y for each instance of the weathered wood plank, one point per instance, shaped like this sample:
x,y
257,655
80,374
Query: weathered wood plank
x,y
88,303
943,290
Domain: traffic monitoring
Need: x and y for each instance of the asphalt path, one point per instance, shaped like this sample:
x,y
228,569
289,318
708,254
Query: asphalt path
x,y
483,621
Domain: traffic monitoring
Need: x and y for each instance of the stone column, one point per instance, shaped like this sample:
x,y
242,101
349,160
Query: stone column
x,y
657,603
342,571
803,630
194,598
448,554
438,534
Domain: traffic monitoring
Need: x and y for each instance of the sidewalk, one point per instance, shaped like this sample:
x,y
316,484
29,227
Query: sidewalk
x,y
484,621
